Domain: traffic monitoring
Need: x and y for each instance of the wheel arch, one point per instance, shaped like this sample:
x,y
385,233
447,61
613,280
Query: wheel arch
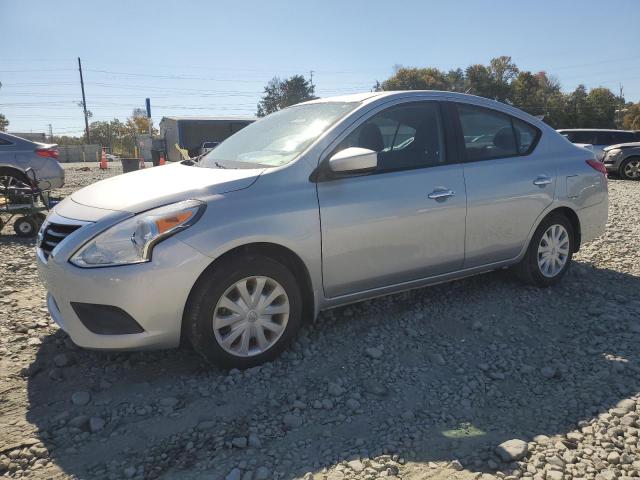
x,y
275,251
572,216
11,170
626,159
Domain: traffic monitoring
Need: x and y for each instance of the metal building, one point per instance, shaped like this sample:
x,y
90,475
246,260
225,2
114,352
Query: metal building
x,y
188,133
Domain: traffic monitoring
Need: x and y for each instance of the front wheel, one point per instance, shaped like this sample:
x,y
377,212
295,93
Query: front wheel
x,y
244,312
630,169
549,253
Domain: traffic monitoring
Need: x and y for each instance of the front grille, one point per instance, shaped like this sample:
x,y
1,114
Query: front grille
x,y
53,234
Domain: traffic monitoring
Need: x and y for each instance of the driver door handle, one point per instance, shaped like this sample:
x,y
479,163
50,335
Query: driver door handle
x,y
542,180
441,194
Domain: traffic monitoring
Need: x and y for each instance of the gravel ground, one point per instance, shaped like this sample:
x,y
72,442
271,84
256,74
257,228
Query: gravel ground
x,y
480,378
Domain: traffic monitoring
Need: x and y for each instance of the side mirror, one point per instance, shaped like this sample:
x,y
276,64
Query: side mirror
x,y
354,160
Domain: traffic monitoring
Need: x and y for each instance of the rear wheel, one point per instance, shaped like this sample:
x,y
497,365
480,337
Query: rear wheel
x,y
25,227
630,168
244,312
549,253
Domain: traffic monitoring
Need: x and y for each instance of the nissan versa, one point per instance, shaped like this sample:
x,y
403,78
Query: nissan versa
x,y
320,204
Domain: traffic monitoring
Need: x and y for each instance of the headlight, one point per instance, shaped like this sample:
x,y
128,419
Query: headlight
x,y
613,153
132,240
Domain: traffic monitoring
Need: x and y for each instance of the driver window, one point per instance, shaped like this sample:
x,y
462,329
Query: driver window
x,y
405,137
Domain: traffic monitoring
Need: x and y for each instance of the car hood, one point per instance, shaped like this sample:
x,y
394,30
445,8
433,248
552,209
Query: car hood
x,y
144,189
622,145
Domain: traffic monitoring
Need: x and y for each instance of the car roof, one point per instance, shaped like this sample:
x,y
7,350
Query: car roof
x,y
14,139
371,97
593,130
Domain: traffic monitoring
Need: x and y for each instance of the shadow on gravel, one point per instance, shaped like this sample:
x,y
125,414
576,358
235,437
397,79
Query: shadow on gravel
x,y
436,374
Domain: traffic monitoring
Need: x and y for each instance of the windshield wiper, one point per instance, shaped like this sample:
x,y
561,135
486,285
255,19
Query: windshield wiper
x,y
218,165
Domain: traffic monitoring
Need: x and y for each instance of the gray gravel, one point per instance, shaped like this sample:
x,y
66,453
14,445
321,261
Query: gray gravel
x,y
422,385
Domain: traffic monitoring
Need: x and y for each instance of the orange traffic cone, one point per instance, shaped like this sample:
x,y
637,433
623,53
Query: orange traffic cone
x,y
161,162
103,160
141,164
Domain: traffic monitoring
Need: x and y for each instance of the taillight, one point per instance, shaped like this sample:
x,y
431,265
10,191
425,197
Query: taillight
x,y
47,152
599,166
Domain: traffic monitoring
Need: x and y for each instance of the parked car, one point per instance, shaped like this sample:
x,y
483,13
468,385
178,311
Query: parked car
x,y
623,159
18,154
206,147
599,138
321,204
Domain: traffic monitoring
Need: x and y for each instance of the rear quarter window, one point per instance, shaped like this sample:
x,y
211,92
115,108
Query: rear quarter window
x,y
490,134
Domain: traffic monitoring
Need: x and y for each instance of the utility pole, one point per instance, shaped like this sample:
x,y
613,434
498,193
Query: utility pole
x,y
620,112
50,132
84,102
311,72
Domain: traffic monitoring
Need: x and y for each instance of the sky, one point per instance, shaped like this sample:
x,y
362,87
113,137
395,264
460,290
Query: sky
x,y
215,57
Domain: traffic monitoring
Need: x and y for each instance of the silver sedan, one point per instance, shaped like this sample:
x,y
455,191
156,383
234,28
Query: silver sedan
x,y
318,205
17,155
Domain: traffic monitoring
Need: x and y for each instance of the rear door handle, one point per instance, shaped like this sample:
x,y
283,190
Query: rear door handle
x,y
542,180
441,194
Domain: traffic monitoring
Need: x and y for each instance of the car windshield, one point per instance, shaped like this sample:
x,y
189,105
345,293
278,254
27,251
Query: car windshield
x,y
278,138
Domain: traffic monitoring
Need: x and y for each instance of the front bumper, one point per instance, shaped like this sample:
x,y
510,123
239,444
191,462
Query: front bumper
x,y
153,293
612,164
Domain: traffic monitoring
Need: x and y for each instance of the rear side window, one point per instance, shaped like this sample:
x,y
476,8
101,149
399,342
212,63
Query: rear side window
x,y
624,137
605,138
581,136
489,134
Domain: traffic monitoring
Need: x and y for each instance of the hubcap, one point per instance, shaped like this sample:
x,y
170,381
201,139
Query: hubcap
x,y
553,251
251,316
24,227
632,169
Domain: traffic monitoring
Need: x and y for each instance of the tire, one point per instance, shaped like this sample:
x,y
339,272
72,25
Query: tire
x,y
630,169
25,227
530,270
209,321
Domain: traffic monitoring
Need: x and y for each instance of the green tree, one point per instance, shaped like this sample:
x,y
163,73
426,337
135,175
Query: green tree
x,y
279,94
416,79
602,104
577,108
479,81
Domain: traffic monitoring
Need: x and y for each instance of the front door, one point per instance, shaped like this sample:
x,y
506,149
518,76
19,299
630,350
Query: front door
x,y
406,220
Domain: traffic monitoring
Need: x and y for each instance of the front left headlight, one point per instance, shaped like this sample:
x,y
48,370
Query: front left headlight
x,y
613,153
132,240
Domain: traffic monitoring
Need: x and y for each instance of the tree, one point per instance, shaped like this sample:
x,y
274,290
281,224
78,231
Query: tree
x,y
138,122
603,104
4,123
279,94
536,93
416,79
577,109
631,119
479,81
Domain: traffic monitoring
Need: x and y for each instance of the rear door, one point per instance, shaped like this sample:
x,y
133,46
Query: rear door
x,y
508,183
402,222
